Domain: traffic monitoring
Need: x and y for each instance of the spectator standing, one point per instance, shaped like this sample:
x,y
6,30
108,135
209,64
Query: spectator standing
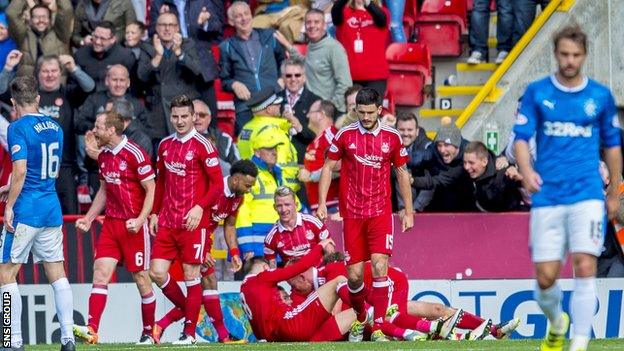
x,y
226,148
47,32
103,52
89,13
416,142
6,42
445,173
524,14
327,66
349,99
250,60
297,100
479,27
397,9
202,21
57,101
494,190
171,65
362,29
321,121
135,31
133,129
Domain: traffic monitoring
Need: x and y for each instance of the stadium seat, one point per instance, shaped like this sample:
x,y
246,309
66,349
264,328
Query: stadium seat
x,y
410,71
302,48
440,25
225,103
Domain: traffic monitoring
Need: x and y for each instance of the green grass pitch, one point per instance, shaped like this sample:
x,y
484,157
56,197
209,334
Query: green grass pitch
x,y
487,345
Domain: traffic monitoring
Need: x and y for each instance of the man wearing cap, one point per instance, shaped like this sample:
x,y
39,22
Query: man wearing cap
x,y
444,173
256,215
265,106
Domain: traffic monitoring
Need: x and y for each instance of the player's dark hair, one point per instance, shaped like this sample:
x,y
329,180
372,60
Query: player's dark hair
x,y
113,120
251,263
139,24
24,90
329,109
405,116
354,89
39,6
182,101
283,191
368,96
478,148
244,167
106,25
333,257
574,33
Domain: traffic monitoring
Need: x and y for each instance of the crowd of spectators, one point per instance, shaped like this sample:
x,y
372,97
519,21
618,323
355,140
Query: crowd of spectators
x,y
135,56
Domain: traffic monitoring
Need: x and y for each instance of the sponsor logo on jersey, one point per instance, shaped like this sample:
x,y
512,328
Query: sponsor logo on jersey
x,y
218,217
211,162
566,129
521,119
189,156
176,168
123,166
368,160
15,149
112,178
145,169
385,147
549,104
590,108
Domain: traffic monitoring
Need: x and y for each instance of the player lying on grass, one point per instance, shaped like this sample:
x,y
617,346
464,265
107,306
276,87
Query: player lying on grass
x,y
273,319
430,320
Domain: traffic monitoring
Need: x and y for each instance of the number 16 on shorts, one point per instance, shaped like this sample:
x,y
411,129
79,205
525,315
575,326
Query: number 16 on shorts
x,y
6,320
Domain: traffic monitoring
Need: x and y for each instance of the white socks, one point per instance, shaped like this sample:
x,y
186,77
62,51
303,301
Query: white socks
x,y
63,299
583,306
549,301
16,313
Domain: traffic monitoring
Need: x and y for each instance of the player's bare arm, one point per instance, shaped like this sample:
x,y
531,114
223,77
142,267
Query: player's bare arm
x,y
403,178
18,176
531,179
613,159
134,224
324,183
229,232
97,206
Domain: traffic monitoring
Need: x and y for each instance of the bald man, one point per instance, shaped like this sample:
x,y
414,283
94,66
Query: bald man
x,y
226,148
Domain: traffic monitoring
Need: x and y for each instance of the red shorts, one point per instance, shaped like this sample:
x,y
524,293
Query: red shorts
x,y
115,241
188,246
365,236
301,322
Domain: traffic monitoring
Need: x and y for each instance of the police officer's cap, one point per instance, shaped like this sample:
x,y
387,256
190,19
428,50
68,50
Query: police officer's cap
x,y
263,99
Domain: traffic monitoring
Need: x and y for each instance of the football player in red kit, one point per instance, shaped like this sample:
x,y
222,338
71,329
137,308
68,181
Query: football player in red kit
x,y
127,193
368,150
242,177
189,180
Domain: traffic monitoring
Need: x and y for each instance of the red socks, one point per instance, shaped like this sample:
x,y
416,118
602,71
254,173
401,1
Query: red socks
x,y
97,302
148,310
469,321
406,321
342,289
173,292
329,331
192,306
358,298
174,315
392,330
381,298
212,305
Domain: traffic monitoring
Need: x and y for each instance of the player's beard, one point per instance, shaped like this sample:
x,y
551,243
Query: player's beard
x,y
569,72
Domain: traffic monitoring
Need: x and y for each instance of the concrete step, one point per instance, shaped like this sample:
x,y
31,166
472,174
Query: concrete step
x,y
474,74
455,97
430,113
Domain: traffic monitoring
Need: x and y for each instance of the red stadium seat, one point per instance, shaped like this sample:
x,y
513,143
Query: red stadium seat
x,y
225,114
440,25
410,71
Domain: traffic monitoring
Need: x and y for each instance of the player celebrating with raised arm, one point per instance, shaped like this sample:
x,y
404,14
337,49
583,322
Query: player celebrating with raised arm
x,y
368,149
242,177
189,180
127,193
571,116
32,216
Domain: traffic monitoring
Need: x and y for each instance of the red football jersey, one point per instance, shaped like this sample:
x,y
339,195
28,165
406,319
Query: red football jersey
x,y
188,174
261,299
308,232
227,204
123,169
367,160
313,161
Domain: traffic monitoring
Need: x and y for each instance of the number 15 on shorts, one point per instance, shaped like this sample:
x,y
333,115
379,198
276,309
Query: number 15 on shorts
x,y
389,241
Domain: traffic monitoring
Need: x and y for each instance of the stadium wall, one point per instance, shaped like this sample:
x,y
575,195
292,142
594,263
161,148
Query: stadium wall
x,y
495,299
601,20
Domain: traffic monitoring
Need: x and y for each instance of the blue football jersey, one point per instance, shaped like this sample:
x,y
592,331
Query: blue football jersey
x,y
570,126
38,139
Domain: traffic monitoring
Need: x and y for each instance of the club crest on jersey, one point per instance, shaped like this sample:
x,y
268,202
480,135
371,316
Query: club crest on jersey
x,y
123,166
590,108
189,156
309,235
385,147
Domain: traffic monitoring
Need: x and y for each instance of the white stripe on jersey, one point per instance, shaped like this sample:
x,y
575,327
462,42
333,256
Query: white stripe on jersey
x,y
312,219
135,151
344,129
269,236
207,143
394,131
